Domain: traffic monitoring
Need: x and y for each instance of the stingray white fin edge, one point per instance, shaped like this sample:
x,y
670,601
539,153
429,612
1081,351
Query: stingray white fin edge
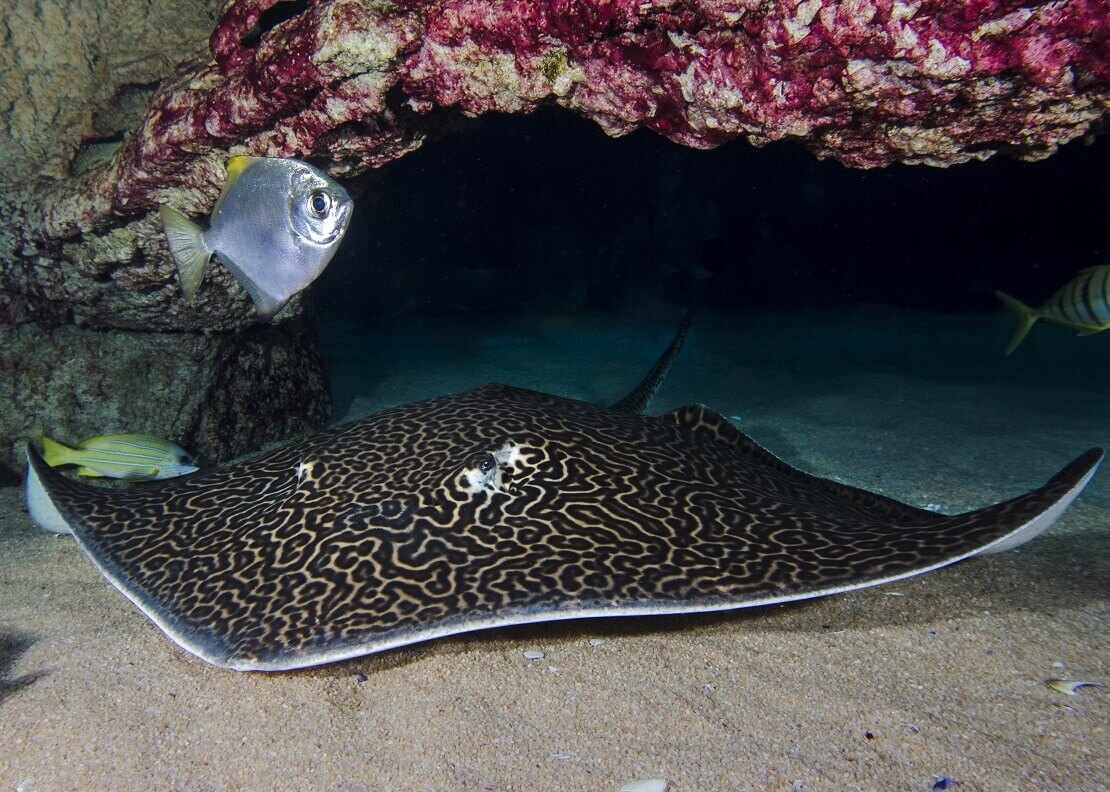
x,y
43,512
162,620
1043,521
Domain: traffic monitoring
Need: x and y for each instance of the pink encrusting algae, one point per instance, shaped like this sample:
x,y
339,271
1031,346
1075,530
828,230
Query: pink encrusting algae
x,y
354,84
868,82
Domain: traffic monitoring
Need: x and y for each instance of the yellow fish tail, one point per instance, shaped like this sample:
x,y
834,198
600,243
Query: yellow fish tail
x,y
1026,318
54,453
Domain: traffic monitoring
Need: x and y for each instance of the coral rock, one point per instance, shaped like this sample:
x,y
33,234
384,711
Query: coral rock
x,y
357,83
218,395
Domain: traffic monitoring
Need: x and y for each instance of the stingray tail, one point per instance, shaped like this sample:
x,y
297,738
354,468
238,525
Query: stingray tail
x,y
640,396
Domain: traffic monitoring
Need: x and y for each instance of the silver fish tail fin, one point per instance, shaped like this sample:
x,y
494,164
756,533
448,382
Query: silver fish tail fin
x,y
640,396
189,250
1026,318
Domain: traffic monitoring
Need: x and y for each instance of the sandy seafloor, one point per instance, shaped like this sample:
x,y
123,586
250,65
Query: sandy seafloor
x,y
888,688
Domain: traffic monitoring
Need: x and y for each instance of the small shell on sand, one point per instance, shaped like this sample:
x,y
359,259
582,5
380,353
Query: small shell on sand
x,y
1068,687
647,785
533,654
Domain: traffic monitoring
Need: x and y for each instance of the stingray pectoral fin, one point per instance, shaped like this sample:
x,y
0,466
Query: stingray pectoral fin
x,y
1040,508
249,567
711,425
39,503
1009,524
1029,515
51,500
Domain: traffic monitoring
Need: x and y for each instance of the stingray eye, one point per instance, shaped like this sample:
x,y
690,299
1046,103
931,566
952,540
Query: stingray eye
x,y
319,203
482,462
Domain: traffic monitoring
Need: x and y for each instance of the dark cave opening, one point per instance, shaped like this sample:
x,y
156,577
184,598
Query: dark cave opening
x,y
518,211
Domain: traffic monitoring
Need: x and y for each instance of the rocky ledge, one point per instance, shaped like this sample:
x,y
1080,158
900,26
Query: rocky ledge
x,y
354,84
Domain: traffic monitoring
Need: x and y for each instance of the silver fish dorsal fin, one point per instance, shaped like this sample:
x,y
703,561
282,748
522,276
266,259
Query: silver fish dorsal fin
x,y
235,167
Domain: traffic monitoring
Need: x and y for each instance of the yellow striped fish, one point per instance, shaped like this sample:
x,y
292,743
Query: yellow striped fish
x,y
1084,303
122,456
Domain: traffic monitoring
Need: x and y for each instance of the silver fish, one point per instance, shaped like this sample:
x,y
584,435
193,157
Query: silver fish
x,y
1082,303
276,226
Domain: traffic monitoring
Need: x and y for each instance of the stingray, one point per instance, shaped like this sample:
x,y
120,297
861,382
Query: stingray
x,y
501,506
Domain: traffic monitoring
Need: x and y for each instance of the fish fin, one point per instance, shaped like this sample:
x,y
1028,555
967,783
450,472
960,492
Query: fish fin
x,y
147,442
267,308
1026,318
1086,331
54,453
190,253
97,441
89,472
235,167
265,304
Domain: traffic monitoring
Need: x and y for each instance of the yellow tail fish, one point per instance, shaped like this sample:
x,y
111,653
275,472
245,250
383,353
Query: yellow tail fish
x,y
1083,303
123,456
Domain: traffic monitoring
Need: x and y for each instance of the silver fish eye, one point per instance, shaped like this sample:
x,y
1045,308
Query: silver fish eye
x,y
319,203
